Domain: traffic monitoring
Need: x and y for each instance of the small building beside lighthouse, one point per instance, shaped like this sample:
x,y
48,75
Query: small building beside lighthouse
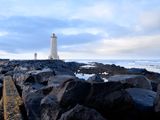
x,y
35,56
53,53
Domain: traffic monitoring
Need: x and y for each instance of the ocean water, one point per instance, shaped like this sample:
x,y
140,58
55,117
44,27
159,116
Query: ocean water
x,y
150,65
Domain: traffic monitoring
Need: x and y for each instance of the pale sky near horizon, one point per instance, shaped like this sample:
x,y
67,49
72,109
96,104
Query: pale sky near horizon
x,y
86,29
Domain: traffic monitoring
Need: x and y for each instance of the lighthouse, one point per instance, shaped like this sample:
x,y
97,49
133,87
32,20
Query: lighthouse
x,y
53,52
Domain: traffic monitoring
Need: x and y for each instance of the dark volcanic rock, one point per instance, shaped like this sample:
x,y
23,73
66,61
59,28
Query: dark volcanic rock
x,y
1,85
6,69
150,75
58,66
106,98
51,91
107,87
73,92
136,71
112,103
80,112
74,66
139,81
60,79
154,85
94,79
4,61
32,104
40,76
19,78
101,68
1,88
157,100
1,78
1,109
143,98
49,108
32,100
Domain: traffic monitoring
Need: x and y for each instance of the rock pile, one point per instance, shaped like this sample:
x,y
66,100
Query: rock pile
x,y
51,91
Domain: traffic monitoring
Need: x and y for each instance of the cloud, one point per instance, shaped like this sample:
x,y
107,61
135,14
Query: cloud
x,y
25,33
77,31
100,11
48,8
141,46
3,53
3,33
77,39
149,20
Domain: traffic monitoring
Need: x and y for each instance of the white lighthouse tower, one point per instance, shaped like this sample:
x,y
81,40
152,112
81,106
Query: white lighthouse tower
x,y
53,54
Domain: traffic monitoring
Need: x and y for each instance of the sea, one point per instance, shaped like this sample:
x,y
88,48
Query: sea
x,y
150,65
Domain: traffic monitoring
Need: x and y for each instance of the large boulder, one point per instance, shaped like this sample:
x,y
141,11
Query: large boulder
x,y
139,81
49,108
112,103
136,71
33,78
32,104
107,87
60,79
19,78
41,100
80,112
32,100
5,69
73,92
157,100
143,99
150,75
41,76
95,79
74,66
20,68
107,98
154,85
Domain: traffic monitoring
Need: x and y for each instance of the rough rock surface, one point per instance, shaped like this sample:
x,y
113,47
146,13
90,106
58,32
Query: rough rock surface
x,y
59,79
1,87
1,109
49,108
157,100
95,78
139,81
80,112
32,100
41,76
109,99
73,92
143,98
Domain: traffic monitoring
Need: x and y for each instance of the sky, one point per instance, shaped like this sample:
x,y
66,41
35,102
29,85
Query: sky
x,y
86,29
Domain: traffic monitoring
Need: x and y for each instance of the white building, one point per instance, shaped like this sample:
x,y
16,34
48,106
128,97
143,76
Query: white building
x,y
35,56
53,53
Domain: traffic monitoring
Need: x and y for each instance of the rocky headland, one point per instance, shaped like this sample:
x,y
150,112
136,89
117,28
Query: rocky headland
x,y
51,90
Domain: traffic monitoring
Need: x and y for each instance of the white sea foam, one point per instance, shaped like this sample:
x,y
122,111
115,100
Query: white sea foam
x,y
84,76
88,66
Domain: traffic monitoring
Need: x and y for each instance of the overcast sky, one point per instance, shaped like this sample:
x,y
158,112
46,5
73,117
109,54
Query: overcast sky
x,y
95,29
